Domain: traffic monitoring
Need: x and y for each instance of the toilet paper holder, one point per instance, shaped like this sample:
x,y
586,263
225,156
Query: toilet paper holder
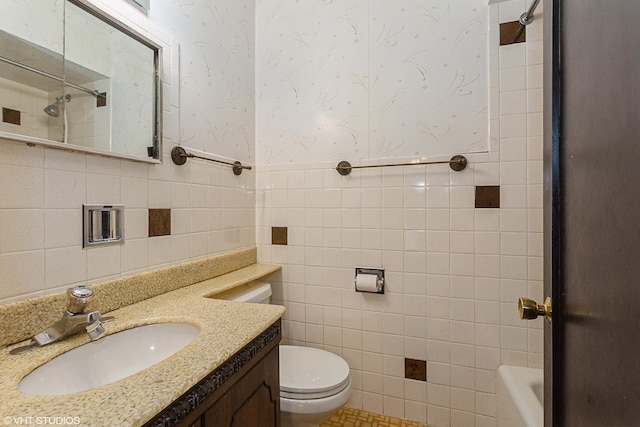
x,y
363,285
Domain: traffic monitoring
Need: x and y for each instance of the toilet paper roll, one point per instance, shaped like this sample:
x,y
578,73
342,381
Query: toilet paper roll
x,y
367,282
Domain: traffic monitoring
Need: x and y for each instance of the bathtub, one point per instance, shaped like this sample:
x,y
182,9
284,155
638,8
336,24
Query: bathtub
x,y
520,397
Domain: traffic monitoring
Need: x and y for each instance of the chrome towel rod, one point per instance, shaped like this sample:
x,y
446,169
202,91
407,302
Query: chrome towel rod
x,y
51,76
179,157
527,17
457,163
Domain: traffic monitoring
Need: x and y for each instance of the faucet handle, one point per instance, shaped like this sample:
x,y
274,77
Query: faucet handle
x,y
95,330
94,327
77,299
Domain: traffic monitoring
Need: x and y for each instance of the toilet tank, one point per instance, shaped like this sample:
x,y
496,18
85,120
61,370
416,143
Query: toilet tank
x,y
256,292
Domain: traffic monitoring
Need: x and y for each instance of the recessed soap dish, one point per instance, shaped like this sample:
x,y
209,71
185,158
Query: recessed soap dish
x,y
103,225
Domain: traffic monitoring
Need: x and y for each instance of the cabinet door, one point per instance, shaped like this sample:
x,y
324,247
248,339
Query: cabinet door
x,y
253,401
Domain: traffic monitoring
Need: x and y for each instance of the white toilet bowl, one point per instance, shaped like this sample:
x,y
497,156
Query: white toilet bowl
x,y
313,385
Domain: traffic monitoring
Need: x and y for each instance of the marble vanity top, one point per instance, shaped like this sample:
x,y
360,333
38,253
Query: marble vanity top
x,y
225,327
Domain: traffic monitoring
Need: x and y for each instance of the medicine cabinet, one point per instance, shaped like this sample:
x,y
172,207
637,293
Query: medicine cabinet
x,y
72,77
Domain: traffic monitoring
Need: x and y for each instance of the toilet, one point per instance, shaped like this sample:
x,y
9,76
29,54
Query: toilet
x,y
314,383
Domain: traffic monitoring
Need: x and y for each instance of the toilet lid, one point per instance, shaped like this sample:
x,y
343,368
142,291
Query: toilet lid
x,y
311,372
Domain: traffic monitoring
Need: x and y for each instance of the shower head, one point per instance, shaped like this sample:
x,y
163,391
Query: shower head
x,y
52,110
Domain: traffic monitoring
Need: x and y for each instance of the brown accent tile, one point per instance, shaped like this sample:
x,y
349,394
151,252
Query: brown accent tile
x,y
278,235
11,116
159,222
101,99
415,369
509,31
488,196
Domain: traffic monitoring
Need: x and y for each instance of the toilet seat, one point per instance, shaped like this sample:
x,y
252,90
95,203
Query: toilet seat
x,y
310,373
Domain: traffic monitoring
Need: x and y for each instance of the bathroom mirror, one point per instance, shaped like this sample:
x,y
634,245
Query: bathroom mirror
x,y
72,77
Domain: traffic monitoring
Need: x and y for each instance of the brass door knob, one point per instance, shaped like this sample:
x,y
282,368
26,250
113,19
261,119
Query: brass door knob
x,y
529,309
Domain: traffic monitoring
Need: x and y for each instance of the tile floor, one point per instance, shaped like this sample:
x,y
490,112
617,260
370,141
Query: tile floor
x,y
348,417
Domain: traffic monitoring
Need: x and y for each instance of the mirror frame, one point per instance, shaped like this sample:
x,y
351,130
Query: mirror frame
x,y
155,148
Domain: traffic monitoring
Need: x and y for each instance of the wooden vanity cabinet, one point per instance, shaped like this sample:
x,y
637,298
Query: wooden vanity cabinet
x,y
254,400
243,392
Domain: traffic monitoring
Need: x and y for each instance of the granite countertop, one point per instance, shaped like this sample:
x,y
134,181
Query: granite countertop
x,y
225,327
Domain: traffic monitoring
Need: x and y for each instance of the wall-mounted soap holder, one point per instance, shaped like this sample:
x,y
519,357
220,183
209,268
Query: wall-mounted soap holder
x,y
102,225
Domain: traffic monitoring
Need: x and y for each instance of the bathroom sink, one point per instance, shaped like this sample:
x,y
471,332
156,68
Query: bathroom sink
x,y
107,360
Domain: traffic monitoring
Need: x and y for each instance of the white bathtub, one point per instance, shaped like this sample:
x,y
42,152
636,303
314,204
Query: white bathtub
x,y
520,397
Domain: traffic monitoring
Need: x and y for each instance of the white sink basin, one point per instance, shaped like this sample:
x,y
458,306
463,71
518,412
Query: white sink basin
x,y
107,360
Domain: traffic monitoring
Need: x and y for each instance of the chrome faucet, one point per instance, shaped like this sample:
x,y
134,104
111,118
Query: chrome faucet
x,y
74,320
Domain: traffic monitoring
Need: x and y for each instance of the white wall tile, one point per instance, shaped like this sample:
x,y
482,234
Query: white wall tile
x,y
512,149
21,230
515,79
438,197
533,77
462,376
63,160
65,266
21,187
513,243
487,335
65,189
513,220
462,264
535,101
103,262
513,126
462,219
438,415
439,329
462,419
17,280
487,174
462,287
488,312
438,175
513,55
511,10
487,357
438,241
486,404
438,219
487,243
414,197
487,289
103,189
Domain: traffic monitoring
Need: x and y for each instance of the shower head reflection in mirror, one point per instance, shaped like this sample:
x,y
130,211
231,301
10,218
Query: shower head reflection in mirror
x,y
53,110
